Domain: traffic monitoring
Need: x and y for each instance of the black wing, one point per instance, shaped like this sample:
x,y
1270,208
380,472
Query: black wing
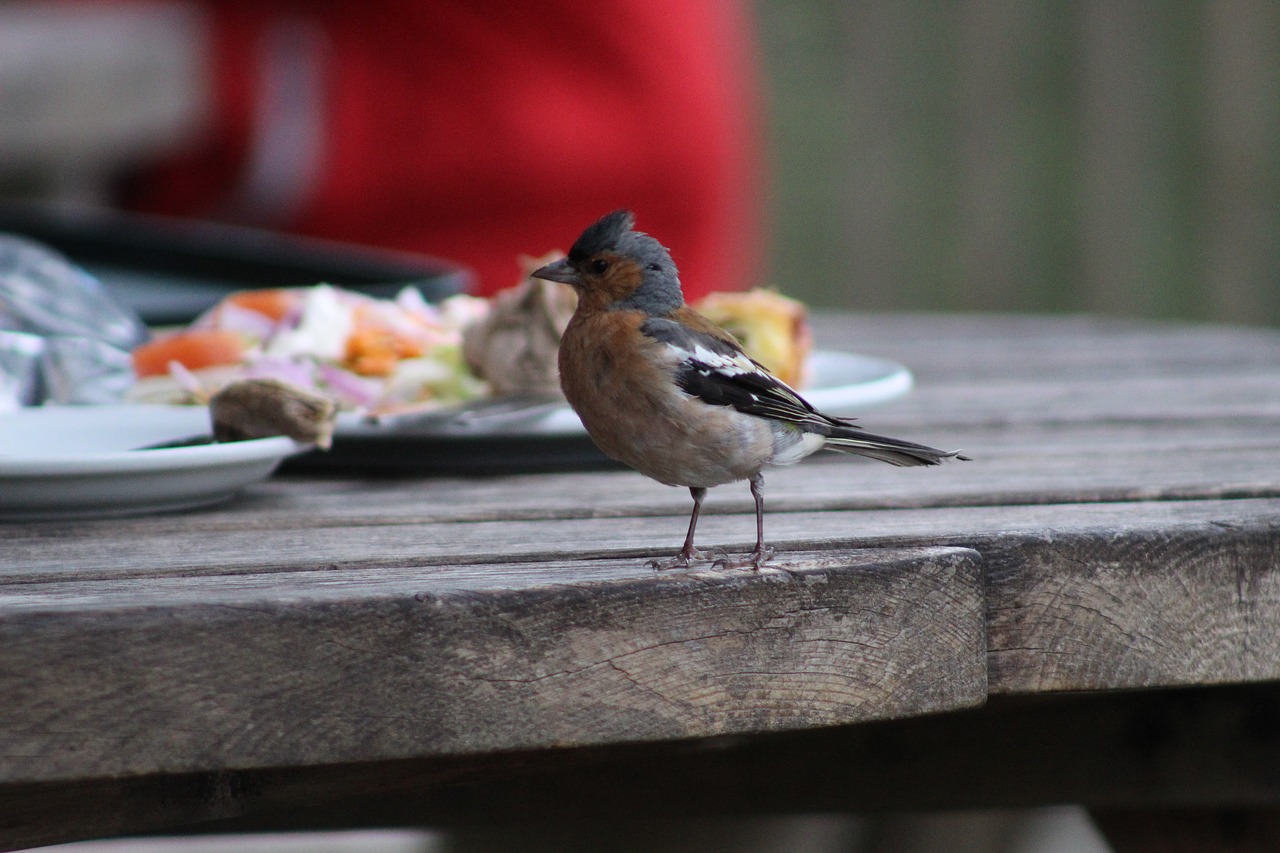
x,y
719,373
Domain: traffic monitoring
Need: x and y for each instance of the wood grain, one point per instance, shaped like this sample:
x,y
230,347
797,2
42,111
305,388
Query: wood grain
x,y
1135,609
493,545
837,637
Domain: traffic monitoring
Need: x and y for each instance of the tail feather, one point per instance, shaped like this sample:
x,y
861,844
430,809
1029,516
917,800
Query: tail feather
x,y
895,451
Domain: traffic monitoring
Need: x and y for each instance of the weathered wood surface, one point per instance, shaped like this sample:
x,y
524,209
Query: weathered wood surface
x,y
1119,528
394,670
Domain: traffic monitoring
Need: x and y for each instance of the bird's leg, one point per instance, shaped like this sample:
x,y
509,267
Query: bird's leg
x,y
688,552
762,553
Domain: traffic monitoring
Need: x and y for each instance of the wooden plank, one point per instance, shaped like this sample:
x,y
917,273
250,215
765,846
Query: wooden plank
x,y
1134,609
1018,474
227,551
839,637
1080,597
1061,464
286,511
1152,401
976,347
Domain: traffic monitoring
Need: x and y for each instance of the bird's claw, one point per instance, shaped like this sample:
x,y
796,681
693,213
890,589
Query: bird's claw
x,y
685,558
755,560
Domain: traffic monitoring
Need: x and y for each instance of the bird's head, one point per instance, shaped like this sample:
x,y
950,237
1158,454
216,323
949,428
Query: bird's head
x,y
613,266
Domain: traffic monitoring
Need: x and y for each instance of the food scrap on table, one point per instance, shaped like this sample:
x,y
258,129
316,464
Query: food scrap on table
x,y
260,408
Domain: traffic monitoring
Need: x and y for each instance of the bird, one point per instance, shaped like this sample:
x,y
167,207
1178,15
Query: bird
x,y
666,391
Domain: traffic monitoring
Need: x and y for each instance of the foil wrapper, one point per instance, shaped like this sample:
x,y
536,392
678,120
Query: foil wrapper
x,y
62,337
20,383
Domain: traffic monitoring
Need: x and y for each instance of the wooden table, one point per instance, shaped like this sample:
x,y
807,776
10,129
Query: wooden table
x,y
1088,612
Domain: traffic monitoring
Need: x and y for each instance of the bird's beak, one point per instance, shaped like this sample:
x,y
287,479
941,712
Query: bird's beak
x,y
561,271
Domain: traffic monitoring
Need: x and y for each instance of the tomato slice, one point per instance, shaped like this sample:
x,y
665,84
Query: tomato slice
x,y
193,349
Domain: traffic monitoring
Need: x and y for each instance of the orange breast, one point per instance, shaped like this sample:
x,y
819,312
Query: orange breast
x,y
620,382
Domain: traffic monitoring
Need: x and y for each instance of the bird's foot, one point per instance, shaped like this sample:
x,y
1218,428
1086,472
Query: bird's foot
x,y
755,560
684,559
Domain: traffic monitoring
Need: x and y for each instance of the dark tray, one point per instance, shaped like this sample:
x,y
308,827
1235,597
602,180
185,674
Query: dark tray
x,y
405,454
170,270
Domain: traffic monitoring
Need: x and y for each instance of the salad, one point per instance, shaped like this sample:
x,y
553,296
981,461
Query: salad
x,y
376,356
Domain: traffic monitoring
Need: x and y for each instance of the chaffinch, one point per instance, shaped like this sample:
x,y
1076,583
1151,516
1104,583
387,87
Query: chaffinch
x,y
661,388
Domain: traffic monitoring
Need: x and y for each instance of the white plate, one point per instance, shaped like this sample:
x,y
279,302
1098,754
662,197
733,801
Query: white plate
x,y
84,461
843,383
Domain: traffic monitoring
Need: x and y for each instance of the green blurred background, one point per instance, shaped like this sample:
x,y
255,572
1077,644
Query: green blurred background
x,y
1026,155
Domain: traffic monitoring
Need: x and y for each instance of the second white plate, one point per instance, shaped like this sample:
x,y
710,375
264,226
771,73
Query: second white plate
x,y
87,461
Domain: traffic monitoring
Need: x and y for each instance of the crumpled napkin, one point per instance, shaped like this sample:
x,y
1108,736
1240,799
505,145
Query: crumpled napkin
x,y
63,339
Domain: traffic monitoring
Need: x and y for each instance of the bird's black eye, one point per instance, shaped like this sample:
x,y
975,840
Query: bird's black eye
x,y
599,265
656,267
